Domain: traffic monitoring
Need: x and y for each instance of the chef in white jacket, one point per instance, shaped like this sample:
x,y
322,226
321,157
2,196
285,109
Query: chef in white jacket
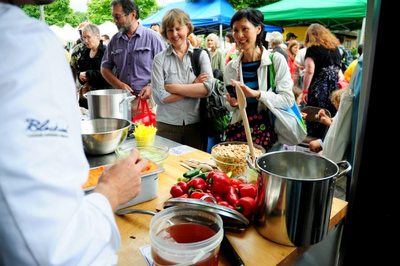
x,y
45,219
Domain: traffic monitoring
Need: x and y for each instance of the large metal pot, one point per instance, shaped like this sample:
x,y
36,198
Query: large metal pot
x,y
110,104
295,192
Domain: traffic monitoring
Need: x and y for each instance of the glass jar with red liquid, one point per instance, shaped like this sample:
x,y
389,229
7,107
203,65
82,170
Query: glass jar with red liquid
x,y
186,236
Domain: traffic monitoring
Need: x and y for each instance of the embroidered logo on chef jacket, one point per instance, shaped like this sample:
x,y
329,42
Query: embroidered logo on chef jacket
x,y
45,128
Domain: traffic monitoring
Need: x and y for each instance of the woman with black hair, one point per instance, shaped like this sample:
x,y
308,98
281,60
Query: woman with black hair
x,y
250,72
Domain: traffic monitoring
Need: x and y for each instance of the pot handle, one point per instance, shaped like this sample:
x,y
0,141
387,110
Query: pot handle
x,y
209,197
129,98
132,211
251,163
346,167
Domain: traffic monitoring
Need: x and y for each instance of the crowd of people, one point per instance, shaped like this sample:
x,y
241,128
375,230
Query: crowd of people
x,y
317,67
38,92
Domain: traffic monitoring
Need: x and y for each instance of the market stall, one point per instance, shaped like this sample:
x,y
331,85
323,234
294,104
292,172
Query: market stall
x,y
250,245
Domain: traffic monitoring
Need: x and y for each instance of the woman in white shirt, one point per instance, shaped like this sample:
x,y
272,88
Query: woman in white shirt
x,y
176,89
250,71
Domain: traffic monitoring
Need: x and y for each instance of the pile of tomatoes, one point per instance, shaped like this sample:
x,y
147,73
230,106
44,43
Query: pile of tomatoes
x,y
228,192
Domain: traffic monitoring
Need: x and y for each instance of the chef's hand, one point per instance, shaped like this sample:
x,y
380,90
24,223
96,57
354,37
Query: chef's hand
x,y
121,182
146,92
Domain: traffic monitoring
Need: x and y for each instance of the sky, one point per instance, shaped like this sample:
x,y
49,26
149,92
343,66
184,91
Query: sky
x,y
80,5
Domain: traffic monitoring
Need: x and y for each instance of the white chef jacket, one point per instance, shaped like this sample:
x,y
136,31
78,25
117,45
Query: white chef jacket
x,y
45,219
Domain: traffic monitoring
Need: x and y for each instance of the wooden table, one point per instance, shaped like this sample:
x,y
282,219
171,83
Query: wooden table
x,y
252,247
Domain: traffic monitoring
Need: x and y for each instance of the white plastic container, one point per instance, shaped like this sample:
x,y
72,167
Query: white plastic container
x,y
185,236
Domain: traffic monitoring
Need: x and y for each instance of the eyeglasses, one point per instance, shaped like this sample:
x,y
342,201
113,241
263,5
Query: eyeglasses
x,y
118,17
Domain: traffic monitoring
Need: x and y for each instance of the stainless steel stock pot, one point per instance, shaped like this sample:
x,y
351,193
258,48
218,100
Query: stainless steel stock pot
x,y
110,104
295,192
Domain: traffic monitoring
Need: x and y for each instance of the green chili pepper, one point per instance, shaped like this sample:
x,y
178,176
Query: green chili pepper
x,y
192,173
202,175
184,179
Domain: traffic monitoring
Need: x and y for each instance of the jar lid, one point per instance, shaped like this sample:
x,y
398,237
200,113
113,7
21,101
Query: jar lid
x,y
233,220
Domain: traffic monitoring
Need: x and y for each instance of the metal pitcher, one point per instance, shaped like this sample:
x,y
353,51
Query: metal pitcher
x,y
295,192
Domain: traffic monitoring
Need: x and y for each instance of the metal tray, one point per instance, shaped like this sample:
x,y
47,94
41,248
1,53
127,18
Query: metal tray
x,y
103,167
312,113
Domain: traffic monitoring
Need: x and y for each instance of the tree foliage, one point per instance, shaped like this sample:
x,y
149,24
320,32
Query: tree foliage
x,y
147,7
99,11
238,4
57,13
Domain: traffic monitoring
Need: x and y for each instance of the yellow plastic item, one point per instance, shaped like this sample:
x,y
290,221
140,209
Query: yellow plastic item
x,y
144,135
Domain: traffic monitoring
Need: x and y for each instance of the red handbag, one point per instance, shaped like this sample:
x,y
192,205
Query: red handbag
x,y
143,114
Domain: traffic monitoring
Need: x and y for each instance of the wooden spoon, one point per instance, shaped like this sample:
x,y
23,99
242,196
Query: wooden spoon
x,y
241,98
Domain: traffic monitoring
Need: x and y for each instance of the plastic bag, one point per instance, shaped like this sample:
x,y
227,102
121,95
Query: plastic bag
x,y
143,114
337,139
289,125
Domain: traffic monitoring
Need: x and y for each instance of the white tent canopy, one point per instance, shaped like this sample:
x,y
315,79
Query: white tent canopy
x,y
57,31
108,28
65,34
69,34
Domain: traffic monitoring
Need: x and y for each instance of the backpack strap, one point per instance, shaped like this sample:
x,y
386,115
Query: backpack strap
x,y
195,60
271,73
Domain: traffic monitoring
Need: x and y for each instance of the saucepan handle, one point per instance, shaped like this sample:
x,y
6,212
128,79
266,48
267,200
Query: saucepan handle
x,y
133,211
346,167
129,98
251,163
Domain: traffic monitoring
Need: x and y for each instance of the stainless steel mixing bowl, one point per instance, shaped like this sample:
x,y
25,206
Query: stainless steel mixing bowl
x,y
103,135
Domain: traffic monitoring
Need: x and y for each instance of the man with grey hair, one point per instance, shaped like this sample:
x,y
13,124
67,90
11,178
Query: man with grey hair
x,y
45,217
276,42
128,60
